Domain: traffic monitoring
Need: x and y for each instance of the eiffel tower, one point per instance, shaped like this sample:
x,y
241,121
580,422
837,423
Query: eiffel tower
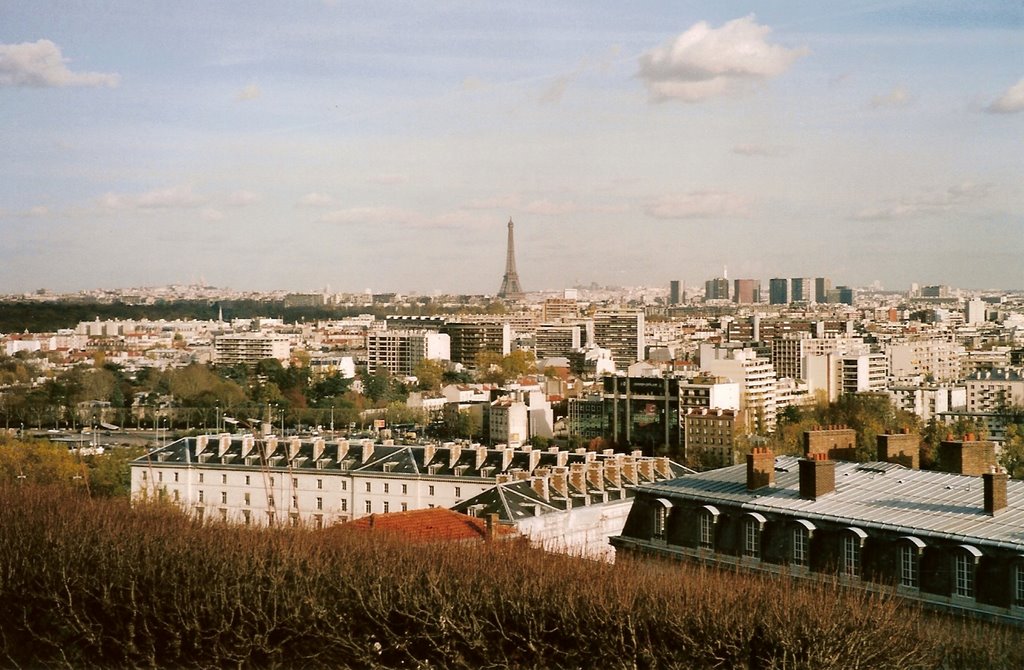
x,y
510,287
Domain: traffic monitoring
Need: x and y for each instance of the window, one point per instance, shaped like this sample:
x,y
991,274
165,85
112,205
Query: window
x,y
175,476
199,513
319,503
246,497
247,515
319,484
200,477
367,487
201,496
908,565
270,518
387,507
247,480
405,489
177,495
223,515
295,483
752,538
458,491
271,481
1018,586
270,501
387,487
430,490
344,505
144,477
223,479
159,476
851,555
963,584
223,497
295,502
801,540
369,507
405,507
344,485
294,518
318,521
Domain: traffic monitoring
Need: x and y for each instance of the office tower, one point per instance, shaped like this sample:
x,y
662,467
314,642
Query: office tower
x,y
778,291
716,289
620,331
673,292
746,291
801,289
822,285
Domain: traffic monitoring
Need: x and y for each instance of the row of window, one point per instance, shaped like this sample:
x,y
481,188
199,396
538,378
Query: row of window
x,y
852,540
386,486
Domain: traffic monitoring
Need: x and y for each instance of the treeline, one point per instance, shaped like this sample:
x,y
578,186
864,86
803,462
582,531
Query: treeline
x,y
96,583
40,462
36,317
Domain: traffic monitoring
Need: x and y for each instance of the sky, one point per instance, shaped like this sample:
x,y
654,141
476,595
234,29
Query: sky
x,y
385,145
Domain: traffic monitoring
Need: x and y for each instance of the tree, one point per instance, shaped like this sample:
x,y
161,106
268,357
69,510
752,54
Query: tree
x,y
1012,455
428,374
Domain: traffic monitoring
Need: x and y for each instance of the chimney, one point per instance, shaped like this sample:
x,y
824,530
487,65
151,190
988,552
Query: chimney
x,y
201,443
595,475
490,526
995,490
613,473
271,446
562,457
646,466
318,448
294,445
903,448
760,468
506,457
540,487
578,477
559,482
817,476
534,460
248,442
223,445
428,453
481,457
663,467
967,457
367,451
629,472
342,450
454,452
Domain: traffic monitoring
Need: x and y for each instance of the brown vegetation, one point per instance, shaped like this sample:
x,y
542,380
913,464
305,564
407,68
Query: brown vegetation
x,y
87,583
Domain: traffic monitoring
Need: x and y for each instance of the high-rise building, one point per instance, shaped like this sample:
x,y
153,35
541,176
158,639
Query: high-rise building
x,y
845,295
746,291
400,351
822,285
621,331
673,292
778,291
510,287
801,289
716,289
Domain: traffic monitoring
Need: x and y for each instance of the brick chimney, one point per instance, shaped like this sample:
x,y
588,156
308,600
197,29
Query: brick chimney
x,y
342,450
481,456
760,468
318,448
817,476
560,481
248,442
646,467
454,453
540,487
201,442
367,451
294,445
595,475
490,526
428,453
223,445
663,467
967,457
903,448
995,490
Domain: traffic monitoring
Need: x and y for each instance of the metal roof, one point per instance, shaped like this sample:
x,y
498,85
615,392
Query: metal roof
x,y
883,496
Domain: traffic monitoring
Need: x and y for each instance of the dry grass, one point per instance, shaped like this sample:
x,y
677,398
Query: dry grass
x,y
94,583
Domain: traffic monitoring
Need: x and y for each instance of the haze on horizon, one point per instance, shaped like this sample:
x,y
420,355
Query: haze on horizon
x,y
297,145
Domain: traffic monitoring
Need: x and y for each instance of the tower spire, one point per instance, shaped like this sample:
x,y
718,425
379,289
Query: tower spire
x,y
510,287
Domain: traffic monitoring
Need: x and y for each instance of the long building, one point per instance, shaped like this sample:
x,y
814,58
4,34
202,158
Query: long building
x,y
400,351
946,539
245,480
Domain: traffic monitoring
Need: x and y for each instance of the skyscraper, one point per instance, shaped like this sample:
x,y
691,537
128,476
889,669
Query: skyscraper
x,y
673,292
716,289
746,291
778,291
822,285
510,287
801,289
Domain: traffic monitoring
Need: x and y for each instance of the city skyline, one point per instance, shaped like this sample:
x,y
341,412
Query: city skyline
x,y
386,146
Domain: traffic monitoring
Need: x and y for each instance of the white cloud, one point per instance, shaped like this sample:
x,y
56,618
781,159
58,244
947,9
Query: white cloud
x,y
369,215
897,97
174,197
316,200
242,199
502,202
211,214
388,179
699,205
927,204
549,208
250,92
41,65
768,151
704,62
1010,102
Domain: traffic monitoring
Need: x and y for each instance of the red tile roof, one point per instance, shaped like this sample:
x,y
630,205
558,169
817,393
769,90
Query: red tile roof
x,y
431,525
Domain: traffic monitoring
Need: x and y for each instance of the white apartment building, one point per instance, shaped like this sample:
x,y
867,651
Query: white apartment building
x,y
994,390
250,348
400,351
621,331
928,400
245,480
937,359
755,376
